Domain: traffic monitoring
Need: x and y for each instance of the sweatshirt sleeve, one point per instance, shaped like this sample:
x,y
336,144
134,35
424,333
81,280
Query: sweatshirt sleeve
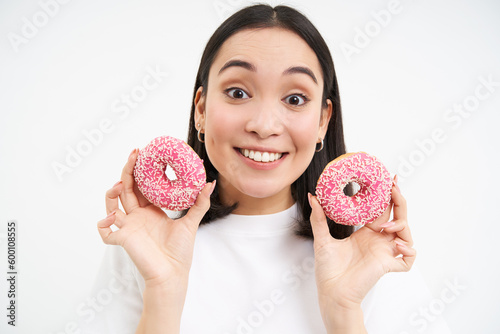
x,y
401,303
114,304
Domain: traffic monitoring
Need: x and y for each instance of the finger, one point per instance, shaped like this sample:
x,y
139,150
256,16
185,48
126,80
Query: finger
x,y
400,215
112,197
105,231
116,217
405,262
399,201
398,206
197,211
402,230
319,225
128,198
140,197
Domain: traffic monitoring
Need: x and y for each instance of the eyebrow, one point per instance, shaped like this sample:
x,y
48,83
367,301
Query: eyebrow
x,y
301,69
246,65
238,63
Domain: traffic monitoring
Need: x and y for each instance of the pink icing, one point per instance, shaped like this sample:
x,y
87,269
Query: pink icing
x,y
149,173
368,203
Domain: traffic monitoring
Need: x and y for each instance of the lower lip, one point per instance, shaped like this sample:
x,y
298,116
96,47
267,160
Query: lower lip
x,y
261,165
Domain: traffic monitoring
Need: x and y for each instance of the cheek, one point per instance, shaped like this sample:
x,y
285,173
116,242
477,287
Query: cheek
x,y
219,120
222,126
304,131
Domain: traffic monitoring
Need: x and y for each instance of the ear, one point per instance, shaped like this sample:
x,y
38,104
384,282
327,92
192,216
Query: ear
x,y
199,107
326,114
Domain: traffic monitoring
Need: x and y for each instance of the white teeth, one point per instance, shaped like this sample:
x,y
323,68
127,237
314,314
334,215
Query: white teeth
x,y
257,156
260,156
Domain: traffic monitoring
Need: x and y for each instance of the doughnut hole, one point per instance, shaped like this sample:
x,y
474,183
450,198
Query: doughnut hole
x,y
170,173
351,188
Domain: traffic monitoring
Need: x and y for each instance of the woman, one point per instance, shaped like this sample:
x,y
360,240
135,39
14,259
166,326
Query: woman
x,y
265,119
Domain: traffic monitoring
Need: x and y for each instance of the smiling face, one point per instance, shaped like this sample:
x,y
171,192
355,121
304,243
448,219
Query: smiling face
x,y
262,117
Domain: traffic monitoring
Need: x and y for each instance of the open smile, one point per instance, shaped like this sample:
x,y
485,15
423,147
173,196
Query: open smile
x,y
261,156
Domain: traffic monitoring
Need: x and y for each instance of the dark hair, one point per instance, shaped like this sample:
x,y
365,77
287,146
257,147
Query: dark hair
x,y
264,16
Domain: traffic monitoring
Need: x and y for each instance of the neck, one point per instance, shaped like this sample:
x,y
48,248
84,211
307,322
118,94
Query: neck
x,y
248,205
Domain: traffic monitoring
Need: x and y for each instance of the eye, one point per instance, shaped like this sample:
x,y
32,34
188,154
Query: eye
x,y
237,93
296,99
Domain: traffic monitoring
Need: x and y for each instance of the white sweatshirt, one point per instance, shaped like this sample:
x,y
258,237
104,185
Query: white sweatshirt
x,y
251,275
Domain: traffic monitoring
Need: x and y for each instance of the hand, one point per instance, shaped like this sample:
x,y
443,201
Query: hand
x,y
347,269
161,248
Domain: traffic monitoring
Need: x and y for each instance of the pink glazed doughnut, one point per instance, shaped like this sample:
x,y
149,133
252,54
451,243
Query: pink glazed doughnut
x,y
368,203
149,173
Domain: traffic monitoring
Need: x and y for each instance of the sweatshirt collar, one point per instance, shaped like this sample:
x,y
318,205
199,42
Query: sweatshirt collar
x,y
258,225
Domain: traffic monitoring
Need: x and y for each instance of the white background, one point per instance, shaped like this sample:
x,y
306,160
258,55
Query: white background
x,y
68,76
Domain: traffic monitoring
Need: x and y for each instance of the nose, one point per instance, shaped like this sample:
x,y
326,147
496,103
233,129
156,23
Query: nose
x,y
266,120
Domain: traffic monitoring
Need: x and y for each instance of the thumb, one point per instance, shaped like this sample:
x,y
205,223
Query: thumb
x,y
200,207
319,225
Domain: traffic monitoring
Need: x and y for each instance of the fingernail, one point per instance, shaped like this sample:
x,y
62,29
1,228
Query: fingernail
x,y
388,224
395,183
111,214
213,187
400,244
117,183
133,151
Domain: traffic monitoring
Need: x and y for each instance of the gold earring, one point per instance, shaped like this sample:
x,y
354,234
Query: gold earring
x,y
199,134
321,146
